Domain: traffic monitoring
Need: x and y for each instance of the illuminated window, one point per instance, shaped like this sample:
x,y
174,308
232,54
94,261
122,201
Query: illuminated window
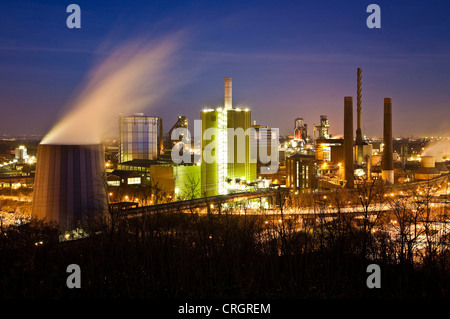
x,y
134,180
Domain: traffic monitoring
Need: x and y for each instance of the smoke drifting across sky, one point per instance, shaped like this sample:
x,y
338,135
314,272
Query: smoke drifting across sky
x,y
438,150
130,79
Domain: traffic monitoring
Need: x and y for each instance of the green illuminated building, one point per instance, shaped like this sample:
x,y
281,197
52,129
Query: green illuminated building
x,y
181,181
226,153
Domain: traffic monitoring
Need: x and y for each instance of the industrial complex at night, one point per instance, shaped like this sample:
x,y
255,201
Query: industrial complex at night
x,y
312,175
71,180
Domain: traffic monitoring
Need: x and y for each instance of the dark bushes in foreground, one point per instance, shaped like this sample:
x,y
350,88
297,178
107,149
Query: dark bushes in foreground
x,y
210,256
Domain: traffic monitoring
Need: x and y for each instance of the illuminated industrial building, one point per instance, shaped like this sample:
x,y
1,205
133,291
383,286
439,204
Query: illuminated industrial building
x,y
138,137
322,131
226,170
265,138
142,167
120,177
330,149
301,172
169,143
300,131
430,167
21,154
179,181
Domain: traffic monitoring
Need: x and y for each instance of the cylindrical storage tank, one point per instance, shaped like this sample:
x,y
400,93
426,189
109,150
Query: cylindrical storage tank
x,y
70,183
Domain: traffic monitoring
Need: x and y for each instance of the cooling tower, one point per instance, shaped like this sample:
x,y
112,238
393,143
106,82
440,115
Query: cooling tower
x,y
69,183
427,169
427,161
387,172
348,142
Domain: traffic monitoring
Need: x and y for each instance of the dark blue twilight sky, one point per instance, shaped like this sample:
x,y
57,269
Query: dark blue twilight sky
x,y
287,59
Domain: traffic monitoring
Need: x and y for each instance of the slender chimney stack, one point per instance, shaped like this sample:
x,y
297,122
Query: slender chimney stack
x,y
368,167
228,94
359,139
358,106
348,141
388,162
161,137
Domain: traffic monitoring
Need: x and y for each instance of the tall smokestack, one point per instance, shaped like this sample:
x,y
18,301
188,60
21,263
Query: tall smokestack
x,y
388,162
359,138
358,105
368,167
348,141
161,137
228,94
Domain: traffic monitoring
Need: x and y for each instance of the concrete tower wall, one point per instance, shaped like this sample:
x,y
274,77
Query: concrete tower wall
x,y
69,183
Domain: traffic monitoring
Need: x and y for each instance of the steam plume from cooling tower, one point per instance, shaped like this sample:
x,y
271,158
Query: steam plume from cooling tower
x,y
129,80
438,150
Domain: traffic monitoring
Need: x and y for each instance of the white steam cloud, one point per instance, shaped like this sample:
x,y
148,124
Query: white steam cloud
x,y
129,80
438,149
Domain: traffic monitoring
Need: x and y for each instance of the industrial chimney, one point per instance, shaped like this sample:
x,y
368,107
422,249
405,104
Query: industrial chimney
x,y
228,94
348,141
359,138
161,137
388,163
70,183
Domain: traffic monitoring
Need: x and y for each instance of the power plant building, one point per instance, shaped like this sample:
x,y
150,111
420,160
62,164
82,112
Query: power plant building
x,y
264,144
430,167
300,131
226,147
21,154
169,143
301,172
324,127
180,181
